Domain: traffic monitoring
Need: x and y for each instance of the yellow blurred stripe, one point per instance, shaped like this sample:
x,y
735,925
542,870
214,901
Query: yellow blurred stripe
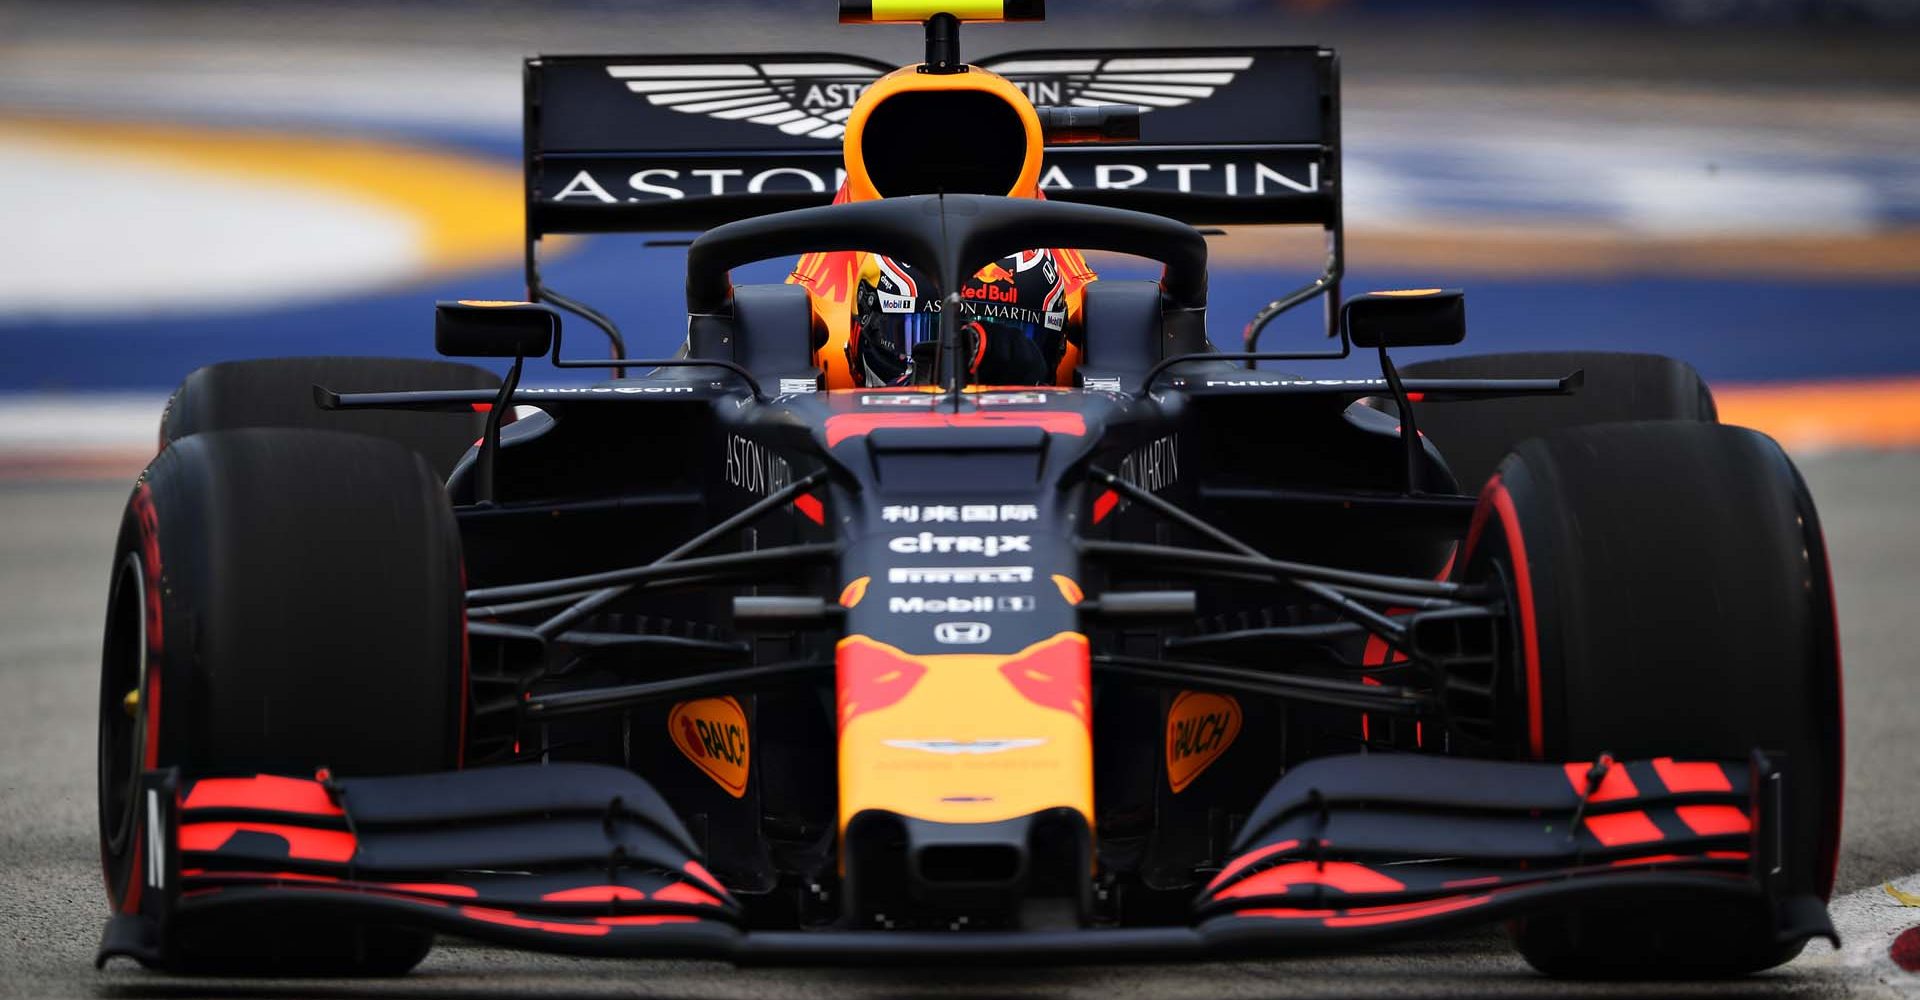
x,y
468,210
1842,413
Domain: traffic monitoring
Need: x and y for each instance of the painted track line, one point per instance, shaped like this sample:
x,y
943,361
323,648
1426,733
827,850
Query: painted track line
x,y
1870,921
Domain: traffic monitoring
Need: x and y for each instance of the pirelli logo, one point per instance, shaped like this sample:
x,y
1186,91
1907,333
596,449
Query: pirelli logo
x,y
960,574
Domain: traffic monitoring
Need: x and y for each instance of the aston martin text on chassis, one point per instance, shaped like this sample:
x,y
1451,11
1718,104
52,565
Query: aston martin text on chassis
x,y
1184,652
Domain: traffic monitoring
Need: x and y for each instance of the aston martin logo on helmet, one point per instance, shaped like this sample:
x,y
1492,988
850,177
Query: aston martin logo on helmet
x,y
814,99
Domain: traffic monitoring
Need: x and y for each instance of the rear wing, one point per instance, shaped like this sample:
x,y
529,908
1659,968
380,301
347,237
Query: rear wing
x,y
664,143
674,143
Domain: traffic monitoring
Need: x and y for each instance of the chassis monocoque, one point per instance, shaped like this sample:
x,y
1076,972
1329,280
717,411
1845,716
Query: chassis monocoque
x,y
1192,658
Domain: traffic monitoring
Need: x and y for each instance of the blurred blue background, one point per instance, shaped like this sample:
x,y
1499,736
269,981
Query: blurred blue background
x,y
1736,182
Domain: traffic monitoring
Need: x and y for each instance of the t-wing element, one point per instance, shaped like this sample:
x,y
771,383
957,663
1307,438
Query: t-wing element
x,y
1421,317
916,11
471,328
952,234
942,19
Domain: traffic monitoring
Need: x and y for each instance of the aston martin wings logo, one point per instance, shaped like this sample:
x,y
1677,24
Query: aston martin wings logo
x,y
811,99
814,99
1150,82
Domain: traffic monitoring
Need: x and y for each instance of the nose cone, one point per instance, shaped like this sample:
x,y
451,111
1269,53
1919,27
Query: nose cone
x,y
965,737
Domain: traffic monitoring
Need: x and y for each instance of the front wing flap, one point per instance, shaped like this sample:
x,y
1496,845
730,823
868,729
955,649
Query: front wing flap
x,y
586,859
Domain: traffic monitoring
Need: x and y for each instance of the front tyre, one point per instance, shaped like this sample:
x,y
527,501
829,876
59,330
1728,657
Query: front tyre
x,y
1672,599
282,600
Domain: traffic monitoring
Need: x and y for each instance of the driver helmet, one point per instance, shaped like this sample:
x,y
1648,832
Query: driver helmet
x,y
972,132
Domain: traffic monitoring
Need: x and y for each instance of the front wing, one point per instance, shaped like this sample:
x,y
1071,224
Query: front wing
x,y
585,859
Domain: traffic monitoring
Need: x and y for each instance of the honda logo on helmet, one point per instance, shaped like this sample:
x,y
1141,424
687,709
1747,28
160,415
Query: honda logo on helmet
x,y
962,633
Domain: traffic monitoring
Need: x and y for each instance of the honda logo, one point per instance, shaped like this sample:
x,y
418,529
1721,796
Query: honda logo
x,y
962,633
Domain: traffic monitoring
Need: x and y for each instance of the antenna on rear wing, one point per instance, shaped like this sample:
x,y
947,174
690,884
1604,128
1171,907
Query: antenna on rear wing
x,y
942,23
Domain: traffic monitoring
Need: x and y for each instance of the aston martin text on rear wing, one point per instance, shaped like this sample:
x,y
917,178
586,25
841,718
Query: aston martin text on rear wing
x,y
686,142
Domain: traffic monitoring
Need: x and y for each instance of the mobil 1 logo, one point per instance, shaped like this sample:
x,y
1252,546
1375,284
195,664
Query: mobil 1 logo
x,y
961,604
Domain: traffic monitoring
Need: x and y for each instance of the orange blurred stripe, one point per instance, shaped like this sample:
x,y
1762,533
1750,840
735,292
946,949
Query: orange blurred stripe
x,y
1814,416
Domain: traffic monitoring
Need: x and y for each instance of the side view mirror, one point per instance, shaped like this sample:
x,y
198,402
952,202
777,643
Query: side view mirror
x,y
1422,317
484,329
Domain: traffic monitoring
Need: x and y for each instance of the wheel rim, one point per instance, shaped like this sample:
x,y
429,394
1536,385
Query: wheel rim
x,y
1508,714
123,728
1492,712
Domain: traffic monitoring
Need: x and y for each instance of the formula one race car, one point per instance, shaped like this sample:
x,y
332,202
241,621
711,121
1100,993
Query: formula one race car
x,y
813,643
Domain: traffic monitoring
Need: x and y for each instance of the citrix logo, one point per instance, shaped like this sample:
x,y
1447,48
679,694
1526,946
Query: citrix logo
x,y
927,542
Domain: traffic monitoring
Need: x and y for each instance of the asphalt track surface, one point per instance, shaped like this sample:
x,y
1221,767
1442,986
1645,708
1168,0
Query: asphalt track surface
x,y
54,557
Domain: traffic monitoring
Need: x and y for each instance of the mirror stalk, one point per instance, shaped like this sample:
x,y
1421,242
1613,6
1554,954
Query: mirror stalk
x,y
490,439
1409,430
